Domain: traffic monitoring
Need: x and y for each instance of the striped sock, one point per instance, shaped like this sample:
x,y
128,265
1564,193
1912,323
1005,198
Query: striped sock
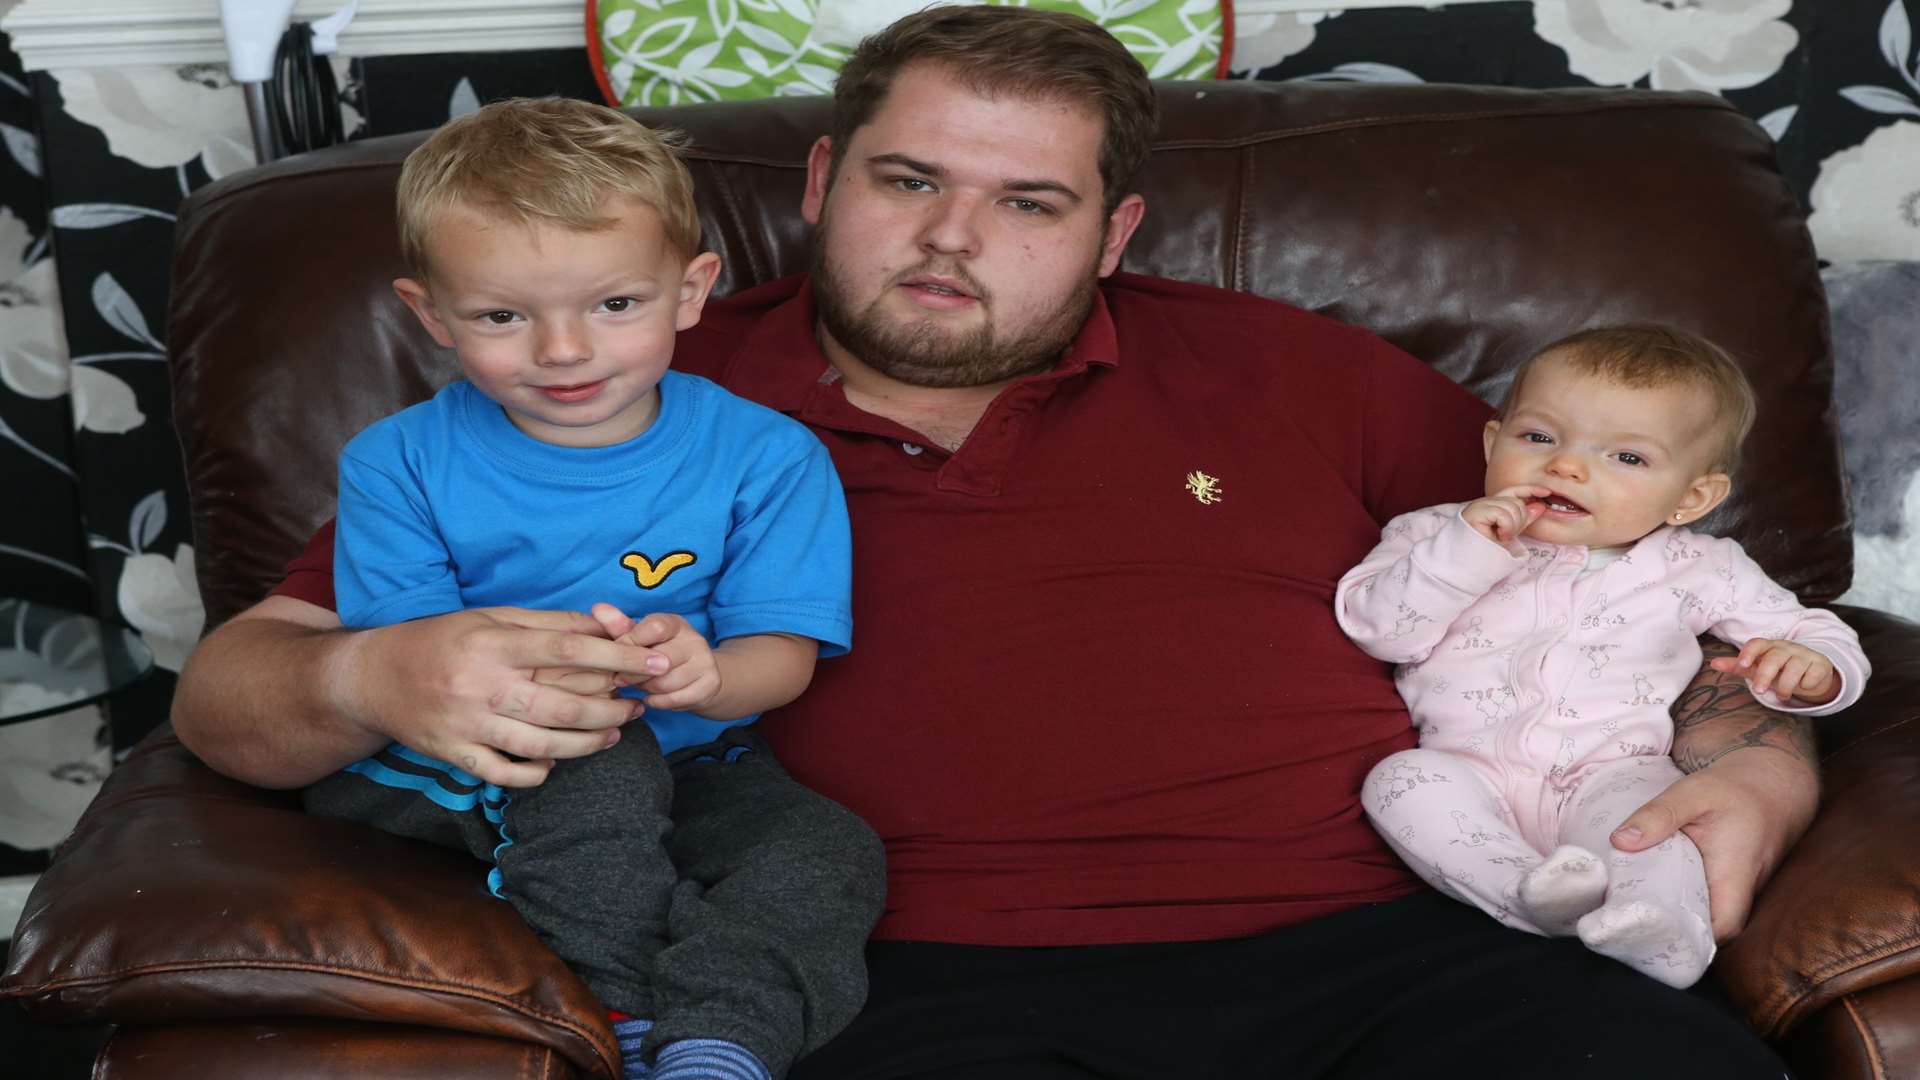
x,y
632,1033
708,1059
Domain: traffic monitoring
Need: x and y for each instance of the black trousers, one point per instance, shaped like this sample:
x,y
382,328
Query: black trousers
x,y
1420,987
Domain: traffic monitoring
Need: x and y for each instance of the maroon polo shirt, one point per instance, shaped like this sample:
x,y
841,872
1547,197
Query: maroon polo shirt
x,y
1097,693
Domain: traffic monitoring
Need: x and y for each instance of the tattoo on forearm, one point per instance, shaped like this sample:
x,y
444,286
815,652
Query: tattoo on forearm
x,y
1706,701
1717,715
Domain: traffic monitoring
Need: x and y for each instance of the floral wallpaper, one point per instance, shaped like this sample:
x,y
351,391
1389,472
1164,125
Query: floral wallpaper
x,y
95,163
48,769
41,550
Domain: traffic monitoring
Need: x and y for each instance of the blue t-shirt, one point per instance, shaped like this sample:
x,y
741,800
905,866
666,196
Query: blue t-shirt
x,y
722,511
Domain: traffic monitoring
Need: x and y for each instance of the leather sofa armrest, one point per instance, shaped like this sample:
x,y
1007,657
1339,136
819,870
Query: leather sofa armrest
x,y
320,1050
182,895
1869,1034
1842,915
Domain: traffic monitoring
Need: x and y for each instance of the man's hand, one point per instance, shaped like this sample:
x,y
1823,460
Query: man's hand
x,y
1788,668
1743,814
483,687
691,681
1504,516
1751,789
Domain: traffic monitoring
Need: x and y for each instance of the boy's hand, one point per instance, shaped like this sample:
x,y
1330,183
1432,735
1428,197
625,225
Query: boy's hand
x,y
689,680
1504,516
1788,668
587,681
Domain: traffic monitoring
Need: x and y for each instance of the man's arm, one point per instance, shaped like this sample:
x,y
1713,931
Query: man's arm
x,y
1751,789
252,699
1717,715
281,695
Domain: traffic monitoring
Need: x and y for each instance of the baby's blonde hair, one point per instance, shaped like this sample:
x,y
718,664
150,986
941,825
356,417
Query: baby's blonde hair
x,y
1646,356
553,161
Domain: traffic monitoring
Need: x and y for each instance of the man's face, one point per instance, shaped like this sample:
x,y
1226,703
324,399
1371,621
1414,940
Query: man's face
x,y
961,240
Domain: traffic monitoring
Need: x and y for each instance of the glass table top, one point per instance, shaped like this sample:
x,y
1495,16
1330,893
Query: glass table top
x,y
53,659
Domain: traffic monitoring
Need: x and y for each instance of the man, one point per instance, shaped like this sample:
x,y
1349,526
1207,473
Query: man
x,y
1098,707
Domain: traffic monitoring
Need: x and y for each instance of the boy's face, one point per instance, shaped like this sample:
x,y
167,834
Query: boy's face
x,y
961,241
568,331
1620,461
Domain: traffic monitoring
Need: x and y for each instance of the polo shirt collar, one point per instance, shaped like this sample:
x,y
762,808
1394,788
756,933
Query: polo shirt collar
x,y
779,362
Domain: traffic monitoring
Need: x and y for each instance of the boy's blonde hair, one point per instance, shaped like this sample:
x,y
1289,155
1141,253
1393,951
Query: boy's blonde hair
x,y
551,161
1646,356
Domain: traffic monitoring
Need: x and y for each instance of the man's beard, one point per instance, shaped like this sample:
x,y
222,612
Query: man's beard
x,y
919,353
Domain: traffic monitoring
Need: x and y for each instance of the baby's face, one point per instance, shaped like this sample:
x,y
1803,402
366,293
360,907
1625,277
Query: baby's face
x,y
1619,461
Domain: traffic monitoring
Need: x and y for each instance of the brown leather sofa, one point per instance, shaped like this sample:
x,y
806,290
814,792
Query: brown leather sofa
x,y
229,936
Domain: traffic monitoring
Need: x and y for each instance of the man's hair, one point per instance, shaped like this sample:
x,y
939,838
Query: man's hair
x,y
1045,55
545,161
1646,356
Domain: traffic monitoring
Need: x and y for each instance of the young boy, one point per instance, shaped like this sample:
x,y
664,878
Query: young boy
x,y
1544,630
717,908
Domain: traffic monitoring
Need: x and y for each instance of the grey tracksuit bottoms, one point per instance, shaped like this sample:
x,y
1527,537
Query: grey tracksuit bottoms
x,y
706,891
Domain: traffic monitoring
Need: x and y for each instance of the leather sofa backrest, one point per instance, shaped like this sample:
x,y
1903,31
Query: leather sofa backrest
x,y
1467,225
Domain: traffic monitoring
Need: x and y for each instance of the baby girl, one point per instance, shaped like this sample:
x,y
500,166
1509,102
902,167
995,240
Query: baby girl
x,y
1542,633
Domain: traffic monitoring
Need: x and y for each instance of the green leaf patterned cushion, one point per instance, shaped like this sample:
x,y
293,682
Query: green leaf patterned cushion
x,y
668,52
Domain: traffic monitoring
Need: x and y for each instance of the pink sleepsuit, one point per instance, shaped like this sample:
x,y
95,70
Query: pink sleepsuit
x,y
1541,693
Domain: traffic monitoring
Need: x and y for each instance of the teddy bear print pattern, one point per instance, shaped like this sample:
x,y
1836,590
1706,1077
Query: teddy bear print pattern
x,y
1541,692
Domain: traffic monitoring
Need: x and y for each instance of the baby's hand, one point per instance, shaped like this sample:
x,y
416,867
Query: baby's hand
x,y
1788,668
1505,515
689,679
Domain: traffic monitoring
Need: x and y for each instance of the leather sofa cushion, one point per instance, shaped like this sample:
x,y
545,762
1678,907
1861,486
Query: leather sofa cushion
x,y
184,895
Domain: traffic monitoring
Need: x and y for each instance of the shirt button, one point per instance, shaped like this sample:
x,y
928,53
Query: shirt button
x,y
911,449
